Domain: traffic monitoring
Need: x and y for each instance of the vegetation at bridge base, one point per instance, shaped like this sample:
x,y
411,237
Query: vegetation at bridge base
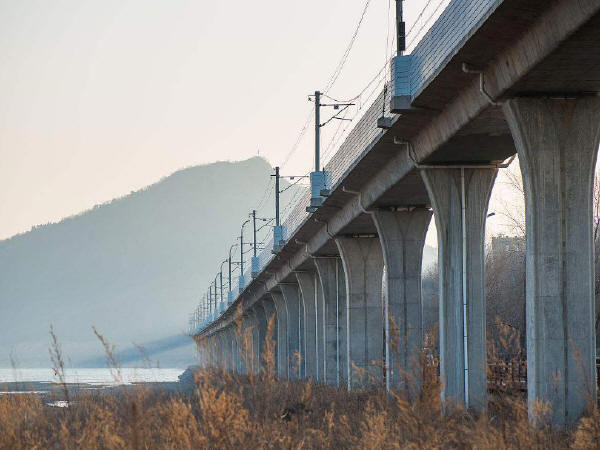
x,y
258,410
225,411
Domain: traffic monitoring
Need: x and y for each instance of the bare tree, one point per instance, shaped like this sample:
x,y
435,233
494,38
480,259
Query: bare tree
x,y
511,207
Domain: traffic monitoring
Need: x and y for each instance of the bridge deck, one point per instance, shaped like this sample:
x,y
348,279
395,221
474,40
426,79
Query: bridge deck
x,y
519,44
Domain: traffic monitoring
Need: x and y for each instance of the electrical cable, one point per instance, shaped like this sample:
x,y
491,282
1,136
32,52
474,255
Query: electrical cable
x,y
265,225
425,23
387,32
301,134
418,17
340,66
266,194
293,184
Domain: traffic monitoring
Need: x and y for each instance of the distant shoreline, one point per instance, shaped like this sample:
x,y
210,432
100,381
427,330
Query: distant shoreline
x,y
51,393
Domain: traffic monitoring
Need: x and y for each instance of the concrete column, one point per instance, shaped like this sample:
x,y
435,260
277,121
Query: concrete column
x,y
208,350
247,342
291,295
237,342
261,326
461,280
224,347
219,350
343,321
228,350
255,327
321,363
306,283
213,352
327,270
557,142
271,313
232,362
218,355
363,265
402,237
302,337
282,333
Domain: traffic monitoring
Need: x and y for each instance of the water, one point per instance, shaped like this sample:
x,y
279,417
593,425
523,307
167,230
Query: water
x,y
93,377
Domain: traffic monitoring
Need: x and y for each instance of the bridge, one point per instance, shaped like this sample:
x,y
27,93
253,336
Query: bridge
x,y
490,79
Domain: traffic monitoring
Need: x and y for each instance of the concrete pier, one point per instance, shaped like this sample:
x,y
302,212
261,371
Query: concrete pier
x,y
454,194
272,335
557,142
230,348
306,283
282,334
261,328
248,341
402,237
328,280
291,295
320,305
363,265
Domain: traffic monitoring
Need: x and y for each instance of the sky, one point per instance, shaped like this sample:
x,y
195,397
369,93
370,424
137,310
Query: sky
x,y
100,98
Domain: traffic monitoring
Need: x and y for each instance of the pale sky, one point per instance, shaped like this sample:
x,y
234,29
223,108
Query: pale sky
x,y
102,97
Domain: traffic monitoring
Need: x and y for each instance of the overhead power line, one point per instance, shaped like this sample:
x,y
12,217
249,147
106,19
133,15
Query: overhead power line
x,y
416,35
301,134
419,17
340,66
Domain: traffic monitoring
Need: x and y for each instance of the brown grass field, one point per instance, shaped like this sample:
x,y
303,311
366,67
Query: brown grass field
x,y
260,411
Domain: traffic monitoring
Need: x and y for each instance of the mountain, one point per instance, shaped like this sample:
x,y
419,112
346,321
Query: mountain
x,y
134,268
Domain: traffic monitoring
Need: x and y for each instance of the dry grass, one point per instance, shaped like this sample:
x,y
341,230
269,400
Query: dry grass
x,y
226,411
258,410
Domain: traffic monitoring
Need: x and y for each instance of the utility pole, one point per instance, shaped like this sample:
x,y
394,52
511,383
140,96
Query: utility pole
x,y
254,226
255,263
318,178
242,251
216,297
276,196
317,131
400,29
221,283
230,262
278,241
229,278
221,278
242,282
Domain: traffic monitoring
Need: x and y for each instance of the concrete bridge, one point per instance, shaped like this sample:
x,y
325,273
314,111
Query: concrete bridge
x,y
490,79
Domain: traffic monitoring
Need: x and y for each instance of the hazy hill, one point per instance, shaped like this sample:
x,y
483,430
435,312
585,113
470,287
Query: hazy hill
x,y
134,267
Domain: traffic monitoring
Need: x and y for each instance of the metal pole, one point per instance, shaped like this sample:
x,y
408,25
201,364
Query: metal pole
x,y
216,298
277,196
242,252
254,224
229,261
464,285
221,280
317,131
400,29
